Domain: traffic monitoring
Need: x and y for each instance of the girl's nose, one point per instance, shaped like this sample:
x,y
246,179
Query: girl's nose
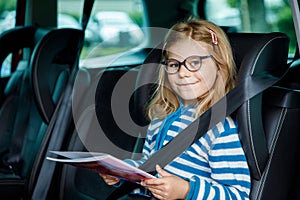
x,y
183,71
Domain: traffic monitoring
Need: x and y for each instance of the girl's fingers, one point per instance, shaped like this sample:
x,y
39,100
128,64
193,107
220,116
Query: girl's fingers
x,y
152,181
157,193
162,172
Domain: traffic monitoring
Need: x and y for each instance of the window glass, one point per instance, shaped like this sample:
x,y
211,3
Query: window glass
x,y
7,14
253,16
7,21
114,26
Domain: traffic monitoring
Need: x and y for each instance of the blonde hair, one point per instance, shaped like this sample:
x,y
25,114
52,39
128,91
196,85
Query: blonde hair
x,y
164,101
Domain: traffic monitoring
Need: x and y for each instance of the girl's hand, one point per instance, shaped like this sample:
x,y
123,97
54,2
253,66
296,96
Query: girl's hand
x,y
168,186
109,180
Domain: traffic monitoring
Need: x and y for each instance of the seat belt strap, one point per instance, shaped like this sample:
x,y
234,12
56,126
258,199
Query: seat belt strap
x,y
60,124
245,90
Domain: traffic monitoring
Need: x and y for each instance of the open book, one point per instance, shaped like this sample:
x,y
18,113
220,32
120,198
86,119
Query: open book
x,y
102,163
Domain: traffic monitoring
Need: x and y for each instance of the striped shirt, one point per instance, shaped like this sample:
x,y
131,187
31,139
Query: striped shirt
x,y
215,165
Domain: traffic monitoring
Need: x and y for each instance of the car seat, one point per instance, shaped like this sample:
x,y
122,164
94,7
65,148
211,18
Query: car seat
x,y
263,127
39,85
11,42
264,121
17,95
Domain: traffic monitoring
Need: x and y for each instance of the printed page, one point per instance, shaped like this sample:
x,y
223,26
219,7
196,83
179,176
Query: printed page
x,y
77,154
103,163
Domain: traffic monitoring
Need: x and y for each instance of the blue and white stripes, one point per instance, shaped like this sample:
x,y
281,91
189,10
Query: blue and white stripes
x,y
215,165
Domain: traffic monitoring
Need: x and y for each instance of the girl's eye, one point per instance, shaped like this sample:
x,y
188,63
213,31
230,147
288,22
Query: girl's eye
x,y
195,63
173,65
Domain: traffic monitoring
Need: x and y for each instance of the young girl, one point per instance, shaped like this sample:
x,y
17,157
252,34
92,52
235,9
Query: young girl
x,y
196,71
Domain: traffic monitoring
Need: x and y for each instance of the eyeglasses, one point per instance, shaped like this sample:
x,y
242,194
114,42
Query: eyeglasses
x,y
192,63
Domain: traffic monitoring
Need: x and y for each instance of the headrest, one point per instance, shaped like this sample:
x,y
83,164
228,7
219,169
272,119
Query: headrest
x,y
51,63
12,40
258,52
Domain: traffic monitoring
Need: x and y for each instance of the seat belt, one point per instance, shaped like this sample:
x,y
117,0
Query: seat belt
x,y
59,123
245,90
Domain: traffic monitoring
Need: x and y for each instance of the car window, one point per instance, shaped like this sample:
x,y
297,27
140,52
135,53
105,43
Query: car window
x,y
113,27
7,21
253,16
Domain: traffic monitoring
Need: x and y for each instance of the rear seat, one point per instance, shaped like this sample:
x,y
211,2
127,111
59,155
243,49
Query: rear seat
x,y
42,83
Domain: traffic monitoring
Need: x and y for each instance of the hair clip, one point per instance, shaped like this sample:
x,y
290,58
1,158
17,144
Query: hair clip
x,y
213,37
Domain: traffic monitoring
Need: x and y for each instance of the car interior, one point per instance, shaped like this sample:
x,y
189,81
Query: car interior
x,y
65,93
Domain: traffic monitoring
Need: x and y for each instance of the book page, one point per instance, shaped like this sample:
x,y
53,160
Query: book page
x,y
77,154
103,163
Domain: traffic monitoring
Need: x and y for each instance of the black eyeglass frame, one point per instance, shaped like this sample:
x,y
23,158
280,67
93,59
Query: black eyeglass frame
x,y
164,63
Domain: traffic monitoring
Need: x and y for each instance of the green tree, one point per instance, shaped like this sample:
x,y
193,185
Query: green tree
x,y
285,24
7,5
234,3
251,23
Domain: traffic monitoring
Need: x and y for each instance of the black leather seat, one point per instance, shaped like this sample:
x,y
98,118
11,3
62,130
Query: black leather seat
x,y
266,129
41,84
17,106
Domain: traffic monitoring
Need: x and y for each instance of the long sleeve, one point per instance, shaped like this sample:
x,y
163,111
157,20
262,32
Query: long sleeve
x,y
229,176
